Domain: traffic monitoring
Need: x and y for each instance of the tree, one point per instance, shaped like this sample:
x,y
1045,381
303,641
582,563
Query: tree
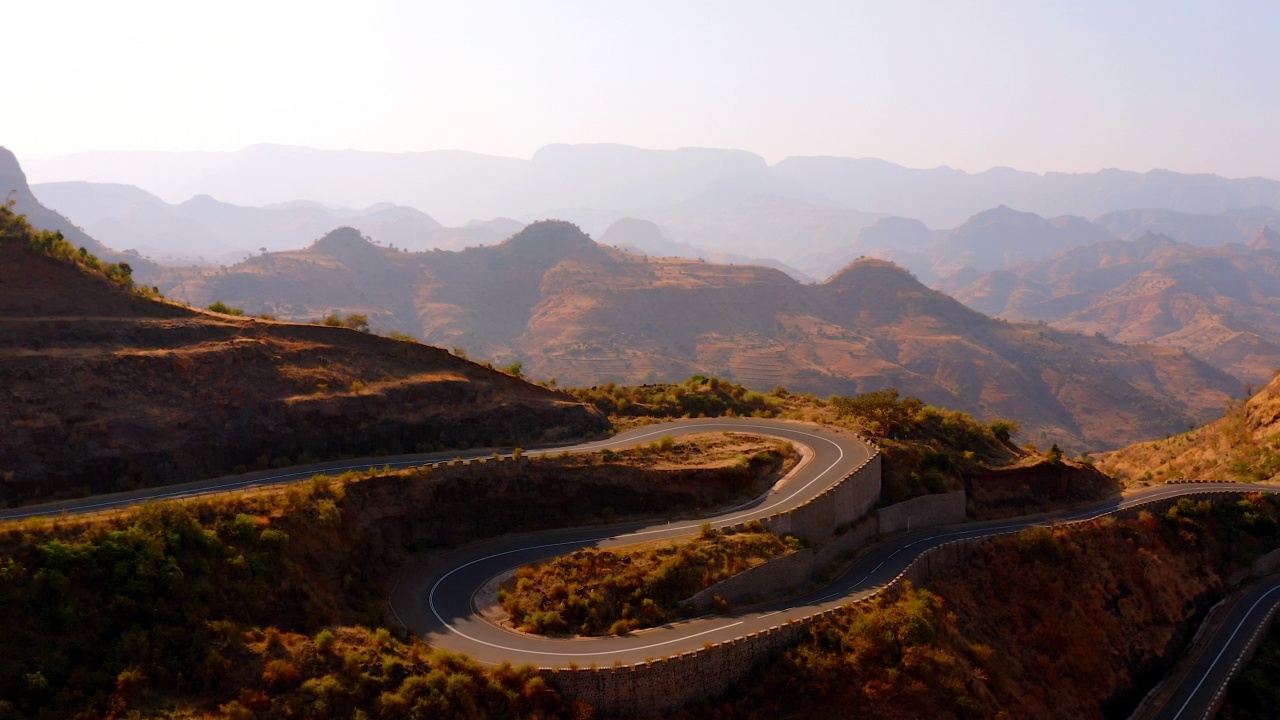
x,y
220,307
357,322
1055,454
885,414
1004,429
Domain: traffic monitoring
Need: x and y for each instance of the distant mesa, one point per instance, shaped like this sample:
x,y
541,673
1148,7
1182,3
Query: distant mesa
x,y
641,235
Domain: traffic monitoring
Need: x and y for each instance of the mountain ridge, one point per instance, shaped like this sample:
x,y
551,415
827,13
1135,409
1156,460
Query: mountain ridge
x,y
585,314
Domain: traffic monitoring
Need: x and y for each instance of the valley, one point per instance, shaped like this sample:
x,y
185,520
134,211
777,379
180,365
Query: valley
x,y
1077,336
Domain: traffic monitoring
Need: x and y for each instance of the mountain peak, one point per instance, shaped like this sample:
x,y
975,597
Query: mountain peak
x,y
867,266
1266,239
12,179
343,240
549,237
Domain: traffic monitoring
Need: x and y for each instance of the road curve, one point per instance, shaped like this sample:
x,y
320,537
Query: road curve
x,y
435,597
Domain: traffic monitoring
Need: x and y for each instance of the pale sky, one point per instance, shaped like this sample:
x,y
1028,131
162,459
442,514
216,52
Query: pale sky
x,y
1066,86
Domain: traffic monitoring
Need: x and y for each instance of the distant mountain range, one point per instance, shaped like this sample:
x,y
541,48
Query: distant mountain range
x,y
584,313
14,188
727,201
208,231
1222,303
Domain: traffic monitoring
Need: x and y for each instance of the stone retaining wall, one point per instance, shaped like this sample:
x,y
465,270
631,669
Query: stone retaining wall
x,y
923,512
661,685
818,519
769,579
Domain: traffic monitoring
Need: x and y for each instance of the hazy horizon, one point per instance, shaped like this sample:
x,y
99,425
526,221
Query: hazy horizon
x,y
1067,87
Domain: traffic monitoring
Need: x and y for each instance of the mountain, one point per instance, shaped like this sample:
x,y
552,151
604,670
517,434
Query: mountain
x,y
14,187
626,181
1266,239
1221,304
647,238
107,390
901,240
569,308
1244,444
208,231
1196,229
1003,237
944,197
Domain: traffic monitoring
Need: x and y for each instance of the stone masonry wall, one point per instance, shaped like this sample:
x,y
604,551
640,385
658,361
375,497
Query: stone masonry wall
x,y
661,685
769,579
851,539
922,512
658,686
817,520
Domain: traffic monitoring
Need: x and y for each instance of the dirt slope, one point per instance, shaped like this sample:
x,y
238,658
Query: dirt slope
x,y
1243,445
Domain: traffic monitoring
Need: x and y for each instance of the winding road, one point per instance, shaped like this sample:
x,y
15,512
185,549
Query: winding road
x,y
436,597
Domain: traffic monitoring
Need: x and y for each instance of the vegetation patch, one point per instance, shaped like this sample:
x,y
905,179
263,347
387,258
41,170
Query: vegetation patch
x,y
617,590
52,244
699,396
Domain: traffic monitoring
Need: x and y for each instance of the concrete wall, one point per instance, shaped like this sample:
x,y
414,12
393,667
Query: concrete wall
x,y
922,512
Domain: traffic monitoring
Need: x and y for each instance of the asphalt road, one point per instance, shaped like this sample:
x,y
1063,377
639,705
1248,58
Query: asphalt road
x,y
1192,698
265,478
436,597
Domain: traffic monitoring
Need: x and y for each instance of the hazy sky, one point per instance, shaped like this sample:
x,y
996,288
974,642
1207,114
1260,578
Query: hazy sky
x,y
1071,86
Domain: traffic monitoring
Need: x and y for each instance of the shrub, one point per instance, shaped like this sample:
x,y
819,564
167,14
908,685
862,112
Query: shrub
x,y
220,307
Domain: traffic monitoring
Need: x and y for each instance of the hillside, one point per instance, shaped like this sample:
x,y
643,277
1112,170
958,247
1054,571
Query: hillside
x,y
1242,445
105,389
586,314
1218,303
